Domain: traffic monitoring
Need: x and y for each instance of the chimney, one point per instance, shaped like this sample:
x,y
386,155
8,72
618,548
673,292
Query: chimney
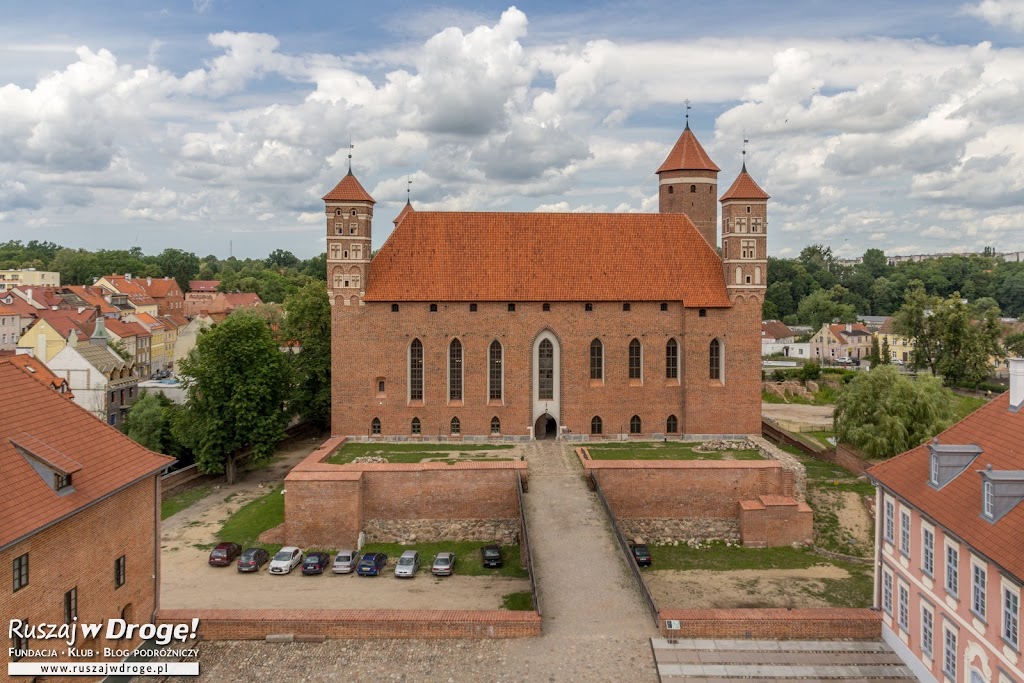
x,y
849,327
149,281
128,277
1016,383
29,290
40,351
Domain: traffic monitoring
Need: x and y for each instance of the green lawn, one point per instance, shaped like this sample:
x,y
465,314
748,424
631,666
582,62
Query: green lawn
x,y
252,519
661,450
965,405
467,556
172,505
415,452
522,601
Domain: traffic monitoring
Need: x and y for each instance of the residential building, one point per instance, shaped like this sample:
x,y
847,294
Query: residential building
x,y
53,330
79,518
136,295
949,555
842,340
778,338
15,319
537,325
203,285
900,348
161,355
186,340
218,305
35,368
775,331
10,278
135,339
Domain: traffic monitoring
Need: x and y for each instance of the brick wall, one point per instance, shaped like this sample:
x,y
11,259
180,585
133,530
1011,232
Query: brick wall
x,y
80,552
850,459
447,624
700,406
781,624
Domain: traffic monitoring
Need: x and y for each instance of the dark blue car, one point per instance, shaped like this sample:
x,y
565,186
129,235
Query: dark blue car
x,y
372,564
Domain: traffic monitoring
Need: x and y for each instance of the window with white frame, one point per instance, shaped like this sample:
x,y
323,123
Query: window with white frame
x,y
747,249
887,592
935,470
905,532
890,521
903,612
949,655
979,579
987,499
1011,617
928,551
927,629
952,570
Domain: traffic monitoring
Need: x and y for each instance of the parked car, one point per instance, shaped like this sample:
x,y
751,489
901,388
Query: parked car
x,y
315,563
843,360
898,361
252,559
408,565
224,554
286,559
443,565
372,564
641,553
345,562
491,555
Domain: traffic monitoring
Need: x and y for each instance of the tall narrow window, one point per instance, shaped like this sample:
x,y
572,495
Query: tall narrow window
x,y
416,370
715,359
987,499
672,360
596,359
949,655
672,424
635,359
890,521
119,572
456,426
596,425
20,572
887,592
905,533
415,427
979,581
495,425
375,426
952,570
494,371
1011,616
546,371
71,605
903,612
455,370
928,552
927,630
635,425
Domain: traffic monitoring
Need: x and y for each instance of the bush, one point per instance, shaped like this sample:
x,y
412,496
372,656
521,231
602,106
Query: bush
x,y
778,376
994,387
810,372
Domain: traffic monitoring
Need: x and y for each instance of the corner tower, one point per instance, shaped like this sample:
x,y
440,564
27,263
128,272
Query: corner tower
x,y
688,183
349,209
745,237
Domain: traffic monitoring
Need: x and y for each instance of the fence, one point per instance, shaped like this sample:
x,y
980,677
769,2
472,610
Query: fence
x,y
624,547
525,547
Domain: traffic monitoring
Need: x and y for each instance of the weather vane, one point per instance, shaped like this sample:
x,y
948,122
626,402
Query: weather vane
x,y
687,102
408,190
745,141
350,147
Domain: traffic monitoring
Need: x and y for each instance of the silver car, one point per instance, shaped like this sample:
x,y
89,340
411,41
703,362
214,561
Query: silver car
x,y
444,564
408,565
345,561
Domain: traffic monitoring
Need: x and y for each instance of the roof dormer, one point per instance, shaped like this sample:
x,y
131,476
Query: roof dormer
x,y
52,466
1001,491
948,461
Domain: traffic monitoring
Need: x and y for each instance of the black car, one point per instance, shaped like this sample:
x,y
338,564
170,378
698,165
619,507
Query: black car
x,y
315,563
224,554
491,555
641,554
372,564
252,559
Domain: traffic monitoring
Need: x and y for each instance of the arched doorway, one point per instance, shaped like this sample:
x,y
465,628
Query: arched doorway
x,y
545,428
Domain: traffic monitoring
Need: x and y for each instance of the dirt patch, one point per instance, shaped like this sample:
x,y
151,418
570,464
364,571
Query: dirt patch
x,y
842,523
745,588
810,417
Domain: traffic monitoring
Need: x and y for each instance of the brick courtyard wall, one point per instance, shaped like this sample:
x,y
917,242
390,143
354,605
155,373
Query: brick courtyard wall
x,y
447,624
774,624
851,459
732,407
328,505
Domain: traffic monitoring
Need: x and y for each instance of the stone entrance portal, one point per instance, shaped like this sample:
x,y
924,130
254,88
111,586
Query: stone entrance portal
x,y
545,428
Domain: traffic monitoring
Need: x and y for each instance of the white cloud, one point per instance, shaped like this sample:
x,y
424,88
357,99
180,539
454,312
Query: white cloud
x,y
999,12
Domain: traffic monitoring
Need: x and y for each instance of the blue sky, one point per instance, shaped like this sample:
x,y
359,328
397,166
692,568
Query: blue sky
x,y
202,124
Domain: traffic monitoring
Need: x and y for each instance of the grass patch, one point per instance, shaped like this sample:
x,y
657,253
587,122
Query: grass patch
x,y
414,452
718,557
172,505
855,591
522,601
771,397
662,450
965,405
467,556
245,526
822,437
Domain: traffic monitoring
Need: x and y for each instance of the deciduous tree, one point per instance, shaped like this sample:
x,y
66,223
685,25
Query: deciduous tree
x,y
308,323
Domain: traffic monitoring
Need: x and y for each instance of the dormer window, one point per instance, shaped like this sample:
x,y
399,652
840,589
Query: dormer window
x,y
1001,491
987,498
61,481
935,470
949,460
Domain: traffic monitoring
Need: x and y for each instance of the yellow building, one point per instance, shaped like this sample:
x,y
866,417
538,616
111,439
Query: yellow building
x,y
30,277
48,336
900,348
161,354
138,298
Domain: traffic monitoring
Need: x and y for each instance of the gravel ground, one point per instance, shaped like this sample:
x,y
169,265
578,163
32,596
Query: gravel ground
x,y
595,625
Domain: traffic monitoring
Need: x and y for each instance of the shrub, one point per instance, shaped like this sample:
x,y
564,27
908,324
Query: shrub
x,y
811,371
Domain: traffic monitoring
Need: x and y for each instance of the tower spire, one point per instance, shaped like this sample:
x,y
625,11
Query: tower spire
x,y
408,190
745,141
687,101
350,146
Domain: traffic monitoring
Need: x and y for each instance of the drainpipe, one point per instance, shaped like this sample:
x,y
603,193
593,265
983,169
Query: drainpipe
x,y
879,520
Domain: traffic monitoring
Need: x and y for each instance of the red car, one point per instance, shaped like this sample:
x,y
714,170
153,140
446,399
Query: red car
x,y
224,554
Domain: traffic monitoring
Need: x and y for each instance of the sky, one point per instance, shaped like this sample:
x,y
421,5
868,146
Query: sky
x,y
215,126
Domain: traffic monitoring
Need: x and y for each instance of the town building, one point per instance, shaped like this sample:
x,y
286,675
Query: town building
x,y
135,339
187,335
777,339
901,348
161,354
529,325
203,285
219,305
949,555
52,331
842,340
10,278
80,511
134,292
16,316
35,368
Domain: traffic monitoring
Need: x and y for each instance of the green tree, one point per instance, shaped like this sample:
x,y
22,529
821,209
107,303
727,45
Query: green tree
x,y
824,306
149,423
237,382
308,323
875,356
181,265
1014,344
886,352
882,413
913,321
966,341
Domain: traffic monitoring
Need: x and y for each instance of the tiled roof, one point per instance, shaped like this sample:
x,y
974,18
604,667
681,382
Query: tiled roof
x,y
775,329
19,307
125,329
688,155
47,295
159,288
348,190
108,459
135,291
402,214
36,369
744,187
957,506
176,320
203,285
101,357
465,256
63,325
856,330
92,296
887,326
237,299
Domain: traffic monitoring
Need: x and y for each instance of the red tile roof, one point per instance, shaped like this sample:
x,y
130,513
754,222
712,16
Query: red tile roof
x,y
31,414
856,330
348,190
466,256
93,296
774,329
160,288
688,155
239,299
402,214
744,187
135,291
203,285
19,307
35,368
957,506
125,329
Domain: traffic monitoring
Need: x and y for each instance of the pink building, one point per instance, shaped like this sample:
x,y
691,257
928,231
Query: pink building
x,y
949,546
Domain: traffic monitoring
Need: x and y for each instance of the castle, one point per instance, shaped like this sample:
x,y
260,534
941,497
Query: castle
x,y
482,325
